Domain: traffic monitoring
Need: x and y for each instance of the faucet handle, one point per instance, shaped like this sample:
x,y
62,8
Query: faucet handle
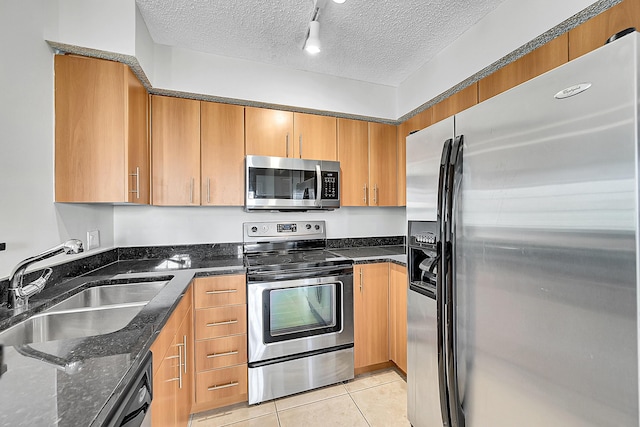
x,y
73,246
35,286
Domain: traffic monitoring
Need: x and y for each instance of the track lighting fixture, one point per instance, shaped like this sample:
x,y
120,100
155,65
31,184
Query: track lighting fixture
x,y
312,45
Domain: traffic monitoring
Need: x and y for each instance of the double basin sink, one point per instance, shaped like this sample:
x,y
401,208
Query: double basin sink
x,y
94,311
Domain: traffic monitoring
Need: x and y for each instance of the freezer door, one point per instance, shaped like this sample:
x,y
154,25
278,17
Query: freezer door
x,y
422,362
424,150
545,249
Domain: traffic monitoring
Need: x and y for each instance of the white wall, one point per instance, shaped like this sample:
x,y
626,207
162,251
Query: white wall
x,y
184,70
29,220
96,24
513,24
144,225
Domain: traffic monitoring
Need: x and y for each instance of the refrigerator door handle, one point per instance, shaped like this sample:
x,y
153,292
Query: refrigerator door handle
x,y
440,284
454,176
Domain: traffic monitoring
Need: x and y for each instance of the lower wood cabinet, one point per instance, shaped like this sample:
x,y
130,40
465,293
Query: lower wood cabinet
x,y
398,316
380,316
173,369
220,322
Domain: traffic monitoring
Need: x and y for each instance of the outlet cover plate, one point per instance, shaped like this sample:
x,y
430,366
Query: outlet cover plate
x,y
93,239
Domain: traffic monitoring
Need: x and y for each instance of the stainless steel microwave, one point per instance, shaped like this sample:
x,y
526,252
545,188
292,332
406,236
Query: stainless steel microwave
x,y
281,183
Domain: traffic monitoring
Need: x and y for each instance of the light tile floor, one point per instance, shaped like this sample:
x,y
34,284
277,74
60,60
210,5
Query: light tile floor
x,y
374,399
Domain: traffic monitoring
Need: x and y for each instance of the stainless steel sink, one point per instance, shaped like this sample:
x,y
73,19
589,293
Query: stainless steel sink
x,y
102,296
68,324
94,311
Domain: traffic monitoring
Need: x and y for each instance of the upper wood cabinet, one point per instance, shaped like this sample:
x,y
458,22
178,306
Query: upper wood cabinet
x,y
222,154
353,153
596,31
383,172
368,162
459,101
268,132
315,137
102,143
175,135
541,60
286,134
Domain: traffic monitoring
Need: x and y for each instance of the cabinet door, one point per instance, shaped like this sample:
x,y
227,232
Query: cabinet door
x,y
165,387
268,132
175,136
314,137
90,130
185,342
138,147
353,153
597,30
371,314
383,172
222,154
541,60
398,315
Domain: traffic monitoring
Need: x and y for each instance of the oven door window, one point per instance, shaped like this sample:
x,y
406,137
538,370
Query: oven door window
x,y
302,311
267,183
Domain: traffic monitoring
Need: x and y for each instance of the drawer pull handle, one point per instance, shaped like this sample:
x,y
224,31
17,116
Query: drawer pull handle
x,y
224,291
228,322
228,353
218,387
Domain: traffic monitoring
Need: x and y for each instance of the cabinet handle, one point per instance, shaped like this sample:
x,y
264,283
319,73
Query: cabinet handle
x,y
180,364
228,353
375,194
184,341
137,190
360,280
365,194
287,140
208,190
223,291
191,190
300,145
227,322
218,387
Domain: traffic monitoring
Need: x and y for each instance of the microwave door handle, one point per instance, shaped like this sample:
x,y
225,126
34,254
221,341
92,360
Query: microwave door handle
x,y
318,186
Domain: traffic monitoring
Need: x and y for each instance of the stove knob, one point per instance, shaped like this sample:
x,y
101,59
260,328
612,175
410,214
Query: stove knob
x,y
308,226
265,228
317,227
254,229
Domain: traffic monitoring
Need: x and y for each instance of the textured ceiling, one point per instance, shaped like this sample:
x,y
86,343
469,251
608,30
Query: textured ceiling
x,y
377,41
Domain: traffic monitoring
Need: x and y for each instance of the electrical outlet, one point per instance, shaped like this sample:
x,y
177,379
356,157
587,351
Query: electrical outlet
x,y
93,239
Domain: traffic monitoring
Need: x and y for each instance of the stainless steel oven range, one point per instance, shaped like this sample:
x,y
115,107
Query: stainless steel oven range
x,y
300,309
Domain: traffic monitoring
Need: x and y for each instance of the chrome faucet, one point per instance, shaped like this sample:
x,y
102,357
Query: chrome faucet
x,y
18,292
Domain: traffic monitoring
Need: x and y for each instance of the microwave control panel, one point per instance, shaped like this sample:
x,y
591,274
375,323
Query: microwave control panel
x,y
330,185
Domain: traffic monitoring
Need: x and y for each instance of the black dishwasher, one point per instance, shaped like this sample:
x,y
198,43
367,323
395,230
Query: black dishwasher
x,y
133,407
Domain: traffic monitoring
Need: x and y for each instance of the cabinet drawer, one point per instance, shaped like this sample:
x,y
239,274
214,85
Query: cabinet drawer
x,y
221,321
221,352
216,291
221,384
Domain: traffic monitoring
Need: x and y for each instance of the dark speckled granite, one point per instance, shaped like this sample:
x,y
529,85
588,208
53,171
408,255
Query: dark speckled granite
x,y
353,242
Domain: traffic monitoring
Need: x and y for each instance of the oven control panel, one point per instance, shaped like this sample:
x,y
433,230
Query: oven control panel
x,y
283,230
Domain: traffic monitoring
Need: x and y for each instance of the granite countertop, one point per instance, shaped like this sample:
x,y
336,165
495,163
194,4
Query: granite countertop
x,y
76,382
368,254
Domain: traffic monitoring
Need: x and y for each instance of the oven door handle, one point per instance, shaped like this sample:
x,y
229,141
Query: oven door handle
x,y
315,275
279,283
318,186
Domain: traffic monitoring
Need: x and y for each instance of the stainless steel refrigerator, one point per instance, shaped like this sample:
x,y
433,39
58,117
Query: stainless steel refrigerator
x,y
537,217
